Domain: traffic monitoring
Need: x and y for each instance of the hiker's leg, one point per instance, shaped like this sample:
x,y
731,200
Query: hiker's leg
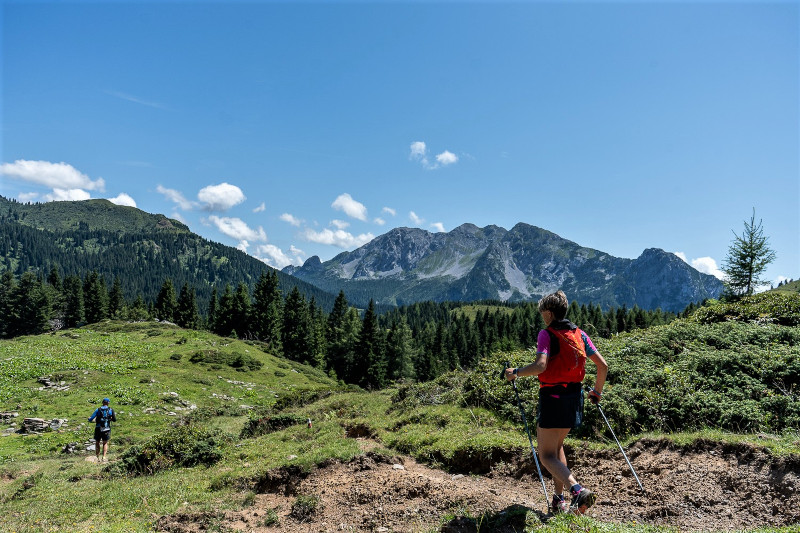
x,y
551,450
105,449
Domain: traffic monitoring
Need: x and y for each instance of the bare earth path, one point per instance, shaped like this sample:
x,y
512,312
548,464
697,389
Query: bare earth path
x,y
706,487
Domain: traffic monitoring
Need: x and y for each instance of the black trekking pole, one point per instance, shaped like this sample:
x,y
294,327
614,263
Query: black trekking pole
x,y
528,431
618,444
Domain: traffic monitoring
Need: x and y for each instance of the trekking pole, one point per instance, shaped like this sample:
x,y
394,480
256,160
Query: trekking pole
x,y
620,445
528,431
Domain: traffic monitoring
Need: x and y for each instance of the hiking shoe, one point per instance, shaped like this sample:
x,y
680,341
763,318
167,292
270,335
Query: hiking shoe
x,y
582,501
559,505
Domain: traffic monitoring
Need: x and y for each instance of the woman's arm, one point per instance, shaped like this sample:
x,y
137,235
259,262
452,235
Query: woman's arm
x,y
533,369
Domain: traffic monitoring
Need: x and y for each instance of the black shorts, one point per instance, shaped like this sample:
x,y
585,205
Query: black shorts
x,y
560,406
101,435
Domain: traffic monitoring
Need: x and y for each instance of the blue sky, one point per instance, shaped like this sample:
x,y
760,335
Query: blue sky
x,y
308,128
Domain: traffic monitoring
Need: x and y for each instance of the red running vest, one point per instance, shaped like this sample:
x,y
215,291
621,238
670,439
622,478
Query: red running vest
x,y
569,364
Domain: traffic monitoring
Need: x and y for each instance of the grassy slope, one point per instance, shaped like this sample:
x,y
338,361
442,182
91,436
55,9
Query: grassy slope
x,y
460,421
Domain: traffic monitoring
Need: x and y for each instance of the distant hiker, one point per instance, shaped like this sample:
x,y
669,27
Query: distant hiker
x,y
561,353
102,417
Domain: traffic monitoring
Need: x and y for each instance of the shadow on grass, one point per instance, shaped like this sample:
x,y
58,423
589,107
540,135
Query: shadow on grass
x,y
515,518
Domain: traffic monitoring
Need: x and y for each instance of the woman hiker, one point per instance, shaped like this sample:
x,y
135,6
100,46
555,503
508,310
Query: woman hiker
x,y
561,353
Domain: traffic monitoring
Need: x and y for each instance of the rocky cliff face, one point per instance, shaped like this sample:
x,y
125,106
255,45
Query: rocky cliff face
x,y
524,263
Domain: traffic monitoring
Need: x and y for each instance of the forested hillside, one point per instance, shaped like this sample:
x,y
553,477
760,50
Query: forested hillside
x,y
138,249
412,343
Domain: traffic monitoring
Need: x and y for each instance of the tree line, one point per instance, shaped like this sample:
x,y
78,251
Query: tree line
x,y
359,346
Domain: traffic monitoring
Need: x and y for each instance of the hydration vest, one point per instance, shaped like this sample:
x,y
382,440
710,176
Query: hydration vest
x,y
566,361
104,416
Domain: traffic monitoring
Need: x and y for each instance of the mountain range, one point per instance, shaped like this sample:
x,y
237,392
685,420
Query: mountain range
x,y
141,249
402,266
470,263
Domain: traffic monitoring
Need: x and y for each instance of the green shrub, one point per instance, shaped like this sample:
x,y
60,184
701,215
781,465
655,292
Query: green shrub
x,y
261,425
181,446
239,361
304,508
775,307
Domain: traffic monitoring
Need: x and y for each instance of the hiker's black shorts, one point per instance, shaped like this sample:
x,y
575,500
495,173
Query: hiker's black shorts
x,y
560,406
101,435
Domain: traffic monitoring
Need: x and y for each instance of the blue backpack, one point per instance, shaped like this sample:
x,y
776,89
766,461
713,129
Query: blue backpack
x,y
104,415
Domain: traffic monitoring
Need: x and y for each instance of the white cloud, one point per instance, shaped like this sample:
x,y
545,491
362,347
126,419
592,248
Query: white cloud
x,y
273,256
297,252
53,175
67,195
389,210
707,265
286,217
419,152
340,224
177,216
446,158
243,245
123,199
438,226
27,196
379,221
220,197
259,209
339,238
175,196
415,219
352,208
238,229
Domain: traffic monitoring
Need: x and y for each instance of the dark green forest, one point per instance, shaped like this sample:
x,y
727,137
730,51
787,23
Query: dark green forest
x,y
139,249
360,346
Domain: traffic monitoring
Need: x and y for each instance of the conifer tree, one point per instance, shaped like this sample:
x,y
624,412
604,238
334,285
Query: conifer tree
x,y
240,311
186,316
166,302
7,286
747,260
342,330
212,311
73,302
95,297
296,328
224,323
30,306
116,301
370,364
400,352
267,310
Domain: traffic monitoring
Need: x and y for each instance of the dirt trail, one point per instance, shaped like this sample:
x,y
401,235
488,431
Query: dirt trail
x,y
705,487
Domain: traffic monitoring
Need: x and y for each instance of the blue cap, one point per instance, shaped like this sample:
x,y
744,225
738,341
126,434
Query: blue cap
x,y
106,400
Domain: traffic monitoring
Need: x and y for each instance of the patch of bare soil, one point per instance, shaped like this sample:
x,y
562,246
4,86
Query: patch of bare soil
x,y
705,487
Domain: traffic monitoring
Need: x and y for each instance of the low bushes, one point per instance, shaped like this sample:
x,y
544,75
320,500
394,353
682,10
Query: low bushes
x,y
180,446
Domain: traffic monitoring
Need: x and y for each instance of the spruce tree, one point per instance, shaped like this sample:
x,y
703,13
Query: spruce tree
x,y
7,286
116,301
30,306
240,311
296,328
187,316
747,260
370,364
166,303
95,297
267,310
73,302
